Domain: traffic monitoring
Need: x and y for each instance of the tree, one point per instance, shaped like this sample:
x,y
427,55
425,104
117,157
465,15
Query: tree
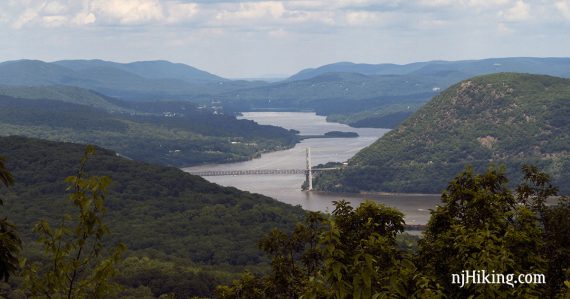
x,y
10,242
352,254
294,256
362,258
482,225
78,266
557,246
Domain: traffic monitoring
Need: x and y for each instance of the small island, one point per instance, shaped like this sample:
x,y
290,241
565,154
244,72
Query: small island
x,y
339,134
332,134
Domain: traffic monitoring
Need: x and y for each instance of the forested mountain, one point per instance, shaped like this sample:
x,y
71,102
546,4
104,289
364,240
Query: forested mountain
x,y
169,133
149,80
504,119
361,95
161,213
345,97
382,95
68,94
361,68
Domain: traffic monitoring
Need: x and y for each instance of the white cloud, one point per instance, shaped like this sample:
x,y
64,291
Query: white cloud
x,y
270,14
181,12
487,3
438,3
253,10
563,6
24,18
54,21
127,11
83,18
519,12
363,18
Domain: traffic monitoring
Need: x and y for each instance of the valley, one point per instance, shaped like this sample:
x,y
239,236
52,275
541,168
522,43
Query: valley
x,y
402,148
271,149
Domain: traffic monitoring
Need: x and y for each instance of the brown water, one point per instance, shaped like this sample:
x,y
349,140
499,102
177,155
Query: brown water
x,y
287,188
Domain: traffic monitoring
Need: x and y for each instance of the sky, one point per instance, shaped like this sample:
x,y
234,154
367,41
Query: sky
x,y
250,39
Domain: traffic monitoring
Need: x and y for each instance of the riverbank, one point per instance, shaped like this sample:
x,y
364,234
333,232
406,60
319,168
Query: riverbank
x,y
287,188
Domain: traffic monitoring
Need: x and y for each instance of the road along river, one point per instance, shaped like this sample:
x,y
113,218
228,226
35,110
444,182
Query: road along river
x,y
287,188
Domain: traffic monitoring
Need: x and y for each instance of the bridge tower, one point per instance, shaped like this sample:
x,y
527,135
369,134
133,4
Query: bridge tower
x,y
309,170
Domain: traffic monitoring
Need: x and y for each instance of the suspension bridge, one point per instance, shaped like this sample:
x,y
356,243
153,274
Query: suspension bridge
x,y
308,171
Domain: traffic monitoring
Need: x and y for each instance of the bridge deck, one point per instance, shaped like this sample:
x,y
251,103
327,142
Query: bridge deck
x,y
258,172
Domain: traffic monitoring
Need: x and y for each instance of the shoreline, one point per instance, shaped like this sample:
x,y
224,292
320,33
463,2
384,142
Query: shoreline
x,y
378,193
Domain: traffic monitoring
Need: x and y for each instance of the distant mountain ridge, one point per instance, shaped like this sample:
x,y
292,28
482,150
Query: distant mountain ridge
x,y
157,69
503,119
158,78
463,68
370,95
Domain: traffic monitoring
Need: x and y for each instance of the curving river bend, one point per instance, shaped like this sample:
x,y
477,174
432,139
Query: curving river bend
x,y
287,188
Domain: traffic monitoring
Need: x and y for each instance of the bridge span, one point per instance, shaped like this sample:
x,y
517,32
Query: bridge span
x,y
308,172
260,171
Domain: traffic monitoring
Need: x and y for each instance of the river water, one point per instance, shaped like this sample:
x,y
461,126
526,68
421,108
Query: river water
x,y
287,188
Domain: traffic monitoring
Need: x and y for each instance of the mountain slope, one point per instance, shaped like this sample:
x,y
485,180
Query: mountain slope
x,y
155,210
68,94
332,93
505,118
168,133
34,72
361,68
138,80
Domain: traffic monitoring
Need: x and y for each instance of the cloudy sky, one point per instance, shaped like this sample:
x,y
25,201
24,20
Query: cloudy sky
x,y
254,38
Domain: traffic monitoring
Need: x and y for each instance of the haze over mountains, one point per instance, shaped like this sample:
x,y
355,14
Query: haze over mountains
x,y
373,95
467,68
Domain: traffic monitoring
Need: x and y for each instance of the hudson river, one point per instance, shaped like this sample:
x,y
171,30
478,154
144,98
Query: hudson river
x,y
287,188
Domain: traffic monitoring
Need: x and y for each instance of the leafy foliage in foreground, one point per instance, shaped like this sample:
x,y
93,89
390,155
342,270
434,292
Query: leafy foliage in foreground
x,y
509,119
77,267
481,225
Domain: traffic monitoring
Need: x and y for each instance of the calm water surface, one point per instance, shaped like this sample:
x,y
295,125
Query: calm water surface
x,y
287,188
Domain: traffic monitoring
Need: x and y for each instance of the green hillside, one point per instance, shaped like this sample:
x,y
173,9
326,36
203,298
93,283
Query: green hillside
x,y
505,118
153,209
168,133
68,94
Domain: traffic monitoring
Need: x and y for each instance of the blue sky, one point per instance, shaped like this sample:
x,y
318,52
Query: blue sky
x,y
254,38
